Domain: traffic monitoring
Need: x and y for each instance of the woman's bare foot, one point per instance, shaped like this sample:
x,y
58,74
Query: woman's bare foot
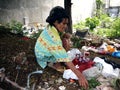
x,y
57,66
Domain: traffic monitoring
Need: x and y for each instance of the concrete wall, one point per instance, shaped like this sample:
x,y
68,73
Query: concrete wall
x,y
34,10
82,9
114,3
38,10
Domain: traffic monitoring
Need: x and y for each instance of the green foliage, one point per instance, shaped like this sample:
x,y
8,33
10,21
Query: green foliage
x,y
99,8
105,32
92,22
99,4
80,25
76,42
108,27
15,26
116,24
105,21
93,83
116,27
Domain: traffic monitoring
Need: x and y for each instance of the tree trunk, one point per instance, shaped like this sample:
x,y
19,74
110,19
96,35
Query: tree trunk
x,y
67,5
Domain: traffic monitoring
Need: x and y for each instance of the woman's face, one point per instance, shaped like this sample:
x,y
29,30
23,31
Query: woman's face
x,y
62,25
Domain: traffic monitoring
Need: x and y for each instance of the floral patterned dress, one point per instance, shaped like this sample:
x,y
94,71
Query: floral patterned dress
x,y
48,47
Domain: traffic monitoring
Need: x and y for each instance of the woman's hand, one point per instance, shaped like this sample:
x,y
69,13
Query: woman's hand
x,y
81,79
83,82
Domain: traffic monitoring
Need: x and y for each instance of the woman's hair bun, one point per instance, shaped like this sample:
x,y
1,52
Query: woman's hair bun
x,y
57,13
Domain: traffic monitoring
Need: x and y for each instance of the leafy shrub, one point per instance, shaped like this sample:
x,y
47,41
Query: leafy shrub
x,y
116,27
92,84
105,32
15,26
76,42
80,25
92,22
105,21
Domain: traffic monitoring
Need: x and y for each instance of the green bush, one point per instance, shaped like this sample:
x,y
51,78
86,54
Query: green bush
x,y
105,32
76,42
15,26
116,27
105,21
79,26
92,84
92,22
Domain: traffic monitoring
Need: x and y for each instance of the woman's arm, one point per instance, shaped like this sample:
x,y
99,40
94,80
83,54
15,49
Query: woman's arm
x,y
81,79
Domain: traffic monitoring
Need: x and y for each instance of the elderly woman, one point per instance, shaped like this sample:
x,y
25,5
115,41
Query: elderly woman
x,y
49,48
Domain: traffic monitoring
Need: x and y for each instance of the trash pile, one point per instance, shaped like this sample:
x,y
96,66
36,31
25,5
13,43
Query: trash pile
x,y
103,70
18,63
107,47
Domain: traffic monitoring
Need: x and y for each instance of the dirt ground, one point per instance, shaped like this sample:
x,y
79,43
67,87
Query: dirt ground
x,y
16,70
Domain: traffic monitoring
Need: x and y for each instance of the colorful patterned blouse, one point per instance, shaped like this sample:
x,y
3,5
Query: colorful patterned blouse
x,y
49,48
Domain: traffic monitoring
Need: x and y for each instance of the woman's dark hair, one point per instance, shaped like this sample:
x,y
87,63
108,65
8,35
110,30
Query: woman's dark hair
x,y
57,13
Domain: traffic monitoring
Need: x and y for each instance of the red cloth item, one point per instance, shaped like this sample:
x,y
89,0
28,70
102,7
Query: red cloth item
x,y
85,65
81,66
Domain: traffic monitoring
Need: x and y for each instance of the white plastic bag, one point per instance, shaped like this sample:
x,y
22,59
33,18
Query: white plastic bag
x,y
69,74
73,52
108,70
92,72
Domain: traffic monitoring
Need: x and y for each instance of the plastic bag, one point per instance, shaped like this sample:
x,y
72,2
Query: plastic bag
x,y
73,52
92,72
